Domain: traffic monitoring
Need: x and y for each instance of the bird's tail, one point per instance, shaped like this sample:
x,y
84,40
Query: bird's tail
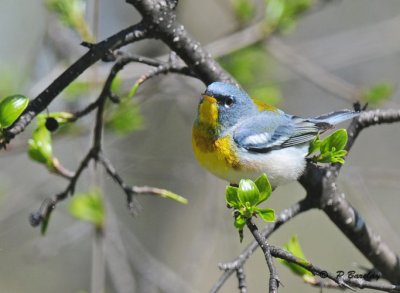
x,y
336,117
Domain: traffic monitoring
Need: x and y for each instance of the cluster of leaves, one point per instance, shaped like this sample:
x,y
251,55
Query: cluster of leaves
x,y
330,149
72,14
245,200
293,246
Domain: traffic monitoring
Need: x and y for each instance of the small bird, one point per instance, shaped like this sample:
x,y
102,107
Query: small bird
x,y
235,137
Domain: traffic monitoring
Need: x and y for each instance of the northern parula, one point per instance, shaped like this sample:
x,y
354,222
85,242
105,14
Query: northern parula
x,y
235,137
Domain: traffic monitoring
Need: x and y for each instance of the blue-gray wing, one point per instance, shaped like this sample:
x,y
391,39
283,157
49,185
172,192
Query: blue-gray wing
x,y
269,131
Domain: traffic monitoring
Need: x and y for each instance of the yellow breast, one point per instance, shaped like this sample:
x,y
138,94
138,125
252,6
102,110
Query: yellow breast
x,y
217,155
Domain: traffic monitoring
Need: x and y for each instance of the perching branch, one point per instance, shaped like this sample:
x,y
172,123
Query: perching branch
x,y
320,184
370,118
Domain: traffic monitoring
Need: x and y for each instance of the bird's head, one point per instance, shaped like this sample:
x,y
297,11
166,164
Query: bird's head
x,y
224,104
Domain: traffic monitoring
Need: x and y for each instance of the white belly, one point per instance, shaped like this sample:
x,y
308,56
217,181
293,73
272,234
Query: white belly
x,y
281,166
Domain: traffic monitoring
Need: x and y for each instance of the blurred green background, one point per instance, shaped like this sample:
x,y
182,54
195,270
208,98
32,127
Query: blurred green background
x,y
171,247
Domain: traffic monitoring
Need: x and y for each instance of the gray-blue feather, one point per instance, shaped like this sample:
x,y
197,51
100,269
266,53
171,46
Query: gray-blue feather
x,y
265,131
336,117
243,105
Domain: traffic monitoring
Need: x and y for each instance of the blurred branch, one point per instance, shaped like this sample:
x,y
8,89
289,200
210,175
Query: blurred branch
x,y
312,72
117,259
155,271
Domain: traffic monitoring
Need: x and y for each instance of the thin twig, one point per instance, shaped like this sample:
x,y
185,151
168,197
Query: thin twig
x,y
265,247
241,280
281,218
95,53
283,254
343,282
314,73
125,59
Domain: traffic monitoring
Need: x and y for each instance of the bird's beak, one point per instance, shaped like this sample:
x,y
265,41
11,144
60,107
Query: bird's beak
x,y
208,99
208,111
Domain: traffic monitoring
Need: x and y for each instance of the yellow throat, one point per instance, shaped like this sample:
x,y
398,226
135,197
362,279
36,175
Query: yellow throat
x,y
208,112
213,152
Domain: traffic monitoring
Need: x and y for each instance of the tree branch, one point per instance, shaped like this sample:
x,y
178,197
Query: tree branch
x,y
165,27
370,118
343,282
286,215
96,52
265,247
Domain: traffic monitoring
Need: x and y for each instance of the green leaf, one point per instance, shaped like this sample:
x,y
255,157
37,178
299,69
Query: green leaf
x,y
116,84
231,197
340,153
88,207
324,146
249,66
293,246
76,89
248,192
275,11
337,140
72,14
240,235
44,225
240,222
244,9
378,93
125,117
11,108
268,215
337,160
282,14
331,148
133,90
264,188
61,117
170,195
39,146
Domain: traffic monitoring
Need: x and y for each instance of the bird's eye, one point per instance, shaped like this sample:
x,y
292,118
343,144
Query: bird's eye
x,y
229,101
